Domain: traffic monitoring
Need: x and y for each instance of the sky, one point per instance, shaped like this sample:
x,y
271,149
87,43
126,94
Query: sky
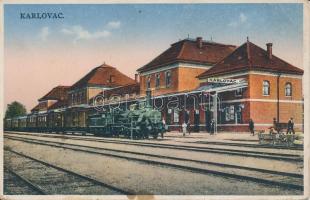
x,y
40,54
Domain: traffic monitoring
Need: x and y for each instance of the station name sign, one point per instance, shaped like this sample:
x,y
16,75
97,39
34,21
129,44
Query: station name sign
x,y
222,80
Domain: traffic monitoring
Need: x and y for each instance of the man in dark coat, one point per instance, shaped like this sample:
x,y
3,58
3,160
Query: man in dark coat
x,y
212,127
189,127
251,126
290,126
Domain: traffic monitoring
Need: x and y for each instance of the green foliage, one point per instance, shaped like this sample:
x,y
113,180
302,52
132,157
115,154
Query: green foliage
x,y
15,109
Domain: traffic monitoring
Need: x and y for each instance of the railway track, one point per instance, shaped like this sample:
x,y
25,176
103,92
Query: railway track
x,y
232,152
300,148
14,184
44,178
274,178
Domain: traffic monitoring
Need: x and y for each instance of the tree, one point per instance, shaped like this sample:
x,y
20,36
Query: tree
x,y
15,109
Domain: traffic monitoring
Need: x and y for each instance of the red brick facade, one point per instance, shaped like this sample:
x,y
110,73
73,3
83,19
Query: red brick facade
x,y
281,99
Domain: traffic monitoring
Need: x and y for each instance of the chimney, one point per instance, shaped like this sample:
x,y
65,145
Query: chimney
x,y
248,48
199,42
136,78
269,50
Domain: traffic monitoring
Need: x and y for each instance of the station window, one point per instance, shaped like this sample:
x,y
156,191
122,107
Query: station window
x,y
111,80
238,92
168,79
77,98
230,113
148,82
157,82
72,98
288,89
81,97
176,115
266,88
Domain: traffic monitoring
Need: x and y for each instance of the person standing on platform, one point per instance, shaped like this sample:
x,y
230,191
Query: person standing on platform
x,y
251,126
164,127
275,125
212,126
184,128
188,127
290,126
164,124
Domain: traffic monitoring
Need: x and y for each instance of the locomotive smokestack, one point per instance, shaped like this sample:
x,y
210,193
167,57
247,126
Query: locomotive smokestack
x,y
148,98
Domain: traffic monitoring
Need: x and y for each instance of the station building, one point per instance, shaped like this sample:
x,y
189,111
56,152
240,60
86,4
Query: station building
x,y
194,81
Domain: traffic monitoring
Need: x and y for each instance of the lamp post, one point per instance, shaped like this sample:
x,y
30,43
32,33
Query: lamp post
x,y
215,111
278,97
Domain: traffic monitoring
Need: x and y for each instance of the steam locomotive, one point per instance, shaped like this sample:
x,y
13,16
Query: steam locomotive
x,y
140,121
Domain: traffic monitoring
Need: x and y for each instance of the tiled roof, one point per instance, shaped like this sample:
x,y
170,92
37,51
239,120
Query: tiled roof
x,y
59,104
119,91
127,89
250,57
103,75
188,50
57,93
38,107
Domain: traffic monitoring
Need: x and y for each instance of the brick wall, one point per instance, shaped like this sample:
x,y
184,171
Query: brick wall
x,y
187,78
256,84
162,89
182,79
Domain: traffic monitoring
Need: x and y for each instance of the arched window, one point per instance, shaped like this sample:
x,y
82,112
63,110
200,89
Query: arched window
x,y
266,88
73,99
168,79
77,98
157,81
148,82
288,89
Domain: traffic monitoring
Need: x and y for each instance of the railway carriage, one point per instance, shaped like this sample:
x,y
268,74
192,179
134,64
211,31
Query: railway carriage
x,y
140,121
76,121
15,124
7,124
55,122
22,123
41,122
32,122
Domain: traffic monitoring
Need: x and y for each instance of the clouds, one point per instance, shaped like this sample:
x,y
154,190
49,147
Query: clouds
x,y
44,33
114,24
78,32
241,20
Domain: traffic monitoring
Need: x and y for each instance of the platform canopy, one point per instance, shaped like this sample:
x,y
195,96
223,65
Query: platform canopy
x,y
222,87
